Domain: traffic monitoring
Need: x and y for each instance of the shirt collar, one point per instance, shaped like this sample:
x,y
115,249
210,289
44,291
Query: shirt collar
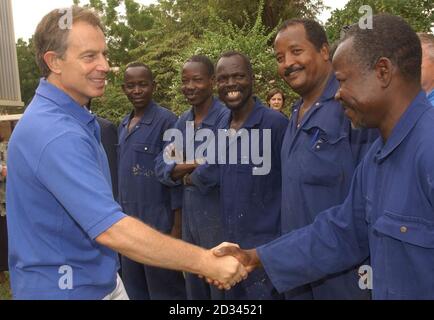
x,y
147,117
255,116
407,121
64,101
329,93
212,116
327,120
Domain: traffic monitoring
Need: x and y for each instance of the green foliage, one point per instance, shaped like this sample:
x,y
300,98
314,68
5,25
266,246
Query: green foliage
x,y
272,12
163,36
114,105
252,39
5,289
28,70
418,13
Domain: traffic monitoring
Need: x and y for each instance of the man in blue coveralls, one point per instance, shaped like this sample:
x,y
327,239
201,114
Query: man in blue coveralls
x,y
141,195
388,213
64,224
250,203
320,150
201,223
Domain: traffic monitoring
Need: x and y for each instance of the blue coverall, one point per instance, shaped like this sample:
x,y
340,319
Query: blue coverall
x,y
141,195
319,157
387,215
250,204
201,221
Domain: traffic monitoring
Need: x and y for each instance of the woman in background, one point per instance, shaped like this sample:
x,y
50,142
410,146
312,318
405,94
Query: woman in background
x,y
276,99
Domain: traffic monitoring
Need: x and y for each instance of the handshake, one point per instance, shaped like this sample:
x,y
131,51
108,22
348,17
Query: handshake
x,y
228,265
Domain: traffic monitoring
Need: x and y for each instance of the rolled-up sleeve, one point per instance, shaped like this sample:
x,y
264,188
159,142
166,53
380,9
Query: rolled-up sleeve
x,y
164,170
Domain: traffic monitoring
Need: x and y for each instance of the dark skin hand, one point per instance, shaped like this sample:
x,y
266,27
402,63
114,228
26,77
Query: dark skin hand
x,y
249,258
182,169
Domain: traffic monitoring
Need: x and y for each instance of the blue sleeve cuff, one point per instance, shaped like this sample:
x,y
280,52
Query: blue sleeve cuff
x,y
164,171
105,224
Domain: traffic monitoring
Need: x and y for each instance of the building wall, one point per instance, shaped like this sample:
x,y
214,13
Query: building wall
x,y
10,94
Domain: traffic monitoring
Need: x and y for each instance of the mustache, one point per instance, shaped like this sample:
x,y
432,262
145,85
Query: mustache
x,y
290,70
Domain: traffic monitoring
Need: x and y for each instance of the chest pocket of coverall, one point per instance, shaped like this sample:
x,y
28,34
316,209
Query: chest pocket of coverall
x,y
144,155
321,158
252,188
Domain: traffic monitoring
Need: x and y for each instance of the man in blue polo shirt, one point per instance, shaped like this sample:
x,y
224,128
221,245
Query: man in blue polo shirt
x,y
64,224
249,193
320,150
141,195
388,214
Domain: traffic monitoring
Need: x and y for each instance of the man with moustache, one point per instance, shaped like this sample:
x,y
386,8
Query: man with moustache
x,y
65,227
141,195
388,213
250,204
201,223
320,150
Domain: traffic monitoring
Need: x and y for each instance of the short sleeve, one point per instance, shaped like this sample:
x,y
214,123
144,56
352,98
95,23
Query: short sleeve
x,y
69,168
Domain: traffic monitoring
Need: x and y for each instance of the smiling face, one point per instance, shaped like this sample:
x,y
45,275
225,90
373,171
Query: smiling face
x,y
138,86
300,64
81,72
234,82
359,90
197,84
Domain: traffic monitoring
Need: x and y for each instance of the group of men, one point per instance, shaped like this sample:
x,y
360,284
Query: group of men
x,y
348,180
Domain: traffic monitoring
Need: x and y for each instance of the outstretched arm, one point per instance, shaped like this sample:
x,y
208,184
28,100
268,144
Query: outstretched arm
x,y
141,243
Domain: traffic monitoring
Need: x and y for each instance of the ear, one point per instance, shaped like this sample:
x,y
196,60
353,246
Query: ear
x,y
53,62
154,86
325,52
384,71
123,88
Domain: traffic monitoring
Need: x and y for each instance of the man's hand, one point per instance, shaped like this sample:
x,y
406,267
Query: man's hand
x,y
224,272
248,258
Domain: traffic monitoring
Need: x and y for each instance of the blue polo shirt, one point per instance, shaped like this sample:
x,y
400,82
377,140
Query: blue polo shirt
x,y
319,157
388,215
430,97
60,199
140,193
